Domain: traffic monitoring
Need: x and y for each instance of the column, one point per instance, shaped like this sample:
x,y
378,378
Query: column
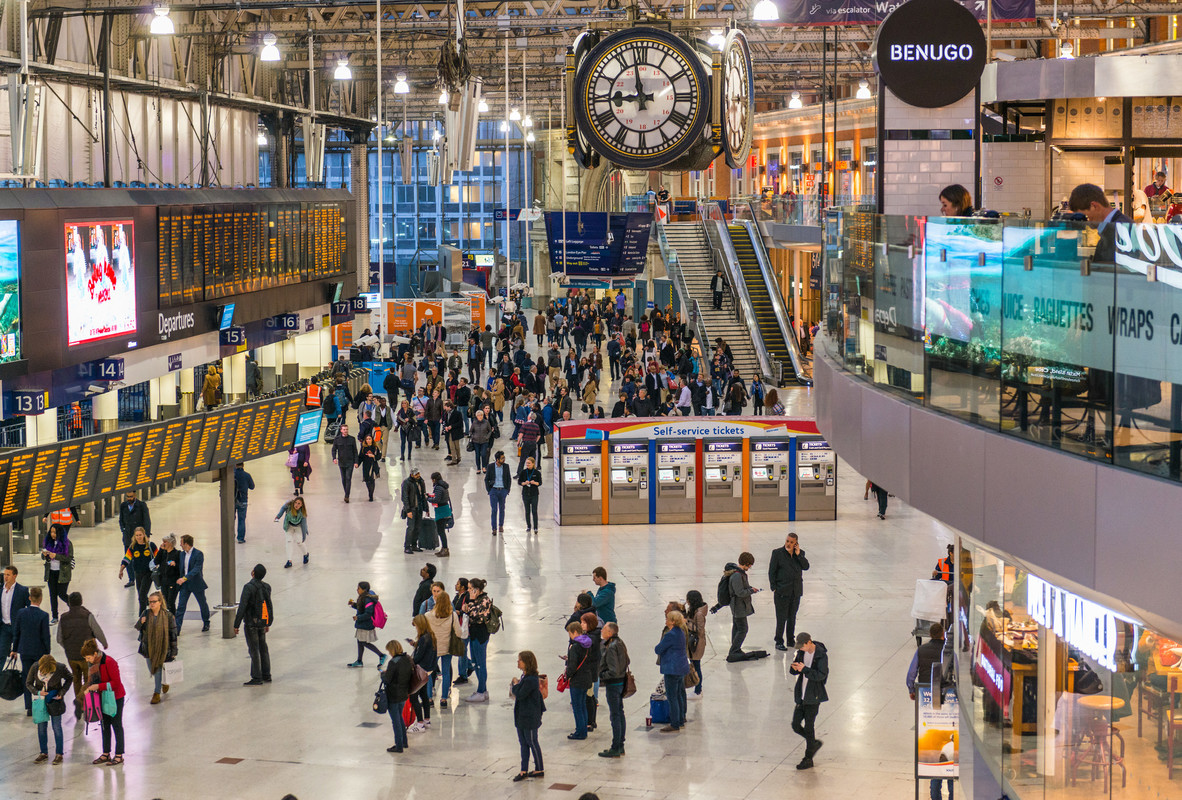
x,y
234,378
267,357
169,403
359,182
105,411
188,403
41,428
288,364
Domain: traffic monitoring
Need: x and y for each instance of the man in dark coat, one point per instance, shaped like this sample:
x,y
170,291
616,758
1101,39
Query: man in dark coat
x,y
344,455
414,503
811,666
784,576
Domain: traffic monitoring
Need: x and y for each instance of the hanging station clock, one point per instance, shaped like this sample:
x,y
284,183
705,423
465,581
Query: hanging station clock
x,y
641,97
737,112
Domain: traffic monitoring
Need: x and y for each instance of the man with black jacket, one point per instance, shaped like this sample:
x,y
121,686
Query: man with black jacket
x,y
927,656
453,432
620,409
498,481
414,503
255,608
717,287
811,666
784,576
741,591
642,406
344,455
613,674
427,573
392,383
463,401
133,513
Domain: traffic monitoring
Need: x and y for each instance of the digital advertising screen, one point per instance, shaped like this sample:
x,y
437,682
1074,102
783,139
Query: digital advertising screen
x,y
308,428
100,280
227,318
10,297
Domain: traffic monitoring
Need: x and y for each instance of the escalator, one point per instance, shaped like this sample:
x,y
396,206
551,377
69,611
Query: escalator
x,y
761,302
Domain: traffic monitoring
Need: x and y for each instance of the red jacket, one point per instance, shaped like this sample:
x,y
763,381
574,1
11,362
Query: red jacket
x,y
108,676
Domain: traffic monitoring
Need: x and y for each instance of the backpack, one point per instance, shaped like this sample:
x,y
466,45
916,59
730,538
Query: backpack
x,y
266,615
379,614
724,586
342,398
494,619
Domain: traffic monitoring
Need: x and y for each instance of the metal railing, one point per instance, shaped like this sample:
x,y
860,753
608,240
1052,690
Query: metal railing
x,y
794,209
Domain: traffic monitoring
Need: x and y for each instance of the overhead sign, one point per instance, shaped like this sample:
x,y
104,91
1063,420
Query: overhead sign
x,y
598,245
930,53
27,402
843,12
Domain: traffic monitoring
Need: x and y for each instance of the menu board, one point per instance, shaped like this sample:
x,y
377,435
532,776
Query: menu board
x,y
90,460
68,460
227,426
45,461
104,482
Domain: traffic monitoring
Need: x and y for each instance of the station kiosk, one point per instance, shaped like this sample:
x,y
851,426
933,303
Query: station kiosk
x,y
816,480
770,485
628,483
580,487
677,495
722,480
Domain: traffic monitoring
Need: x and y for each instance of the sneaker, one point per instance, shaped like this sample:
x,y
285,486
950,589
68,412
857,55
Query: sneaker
x,y
427,722
41,759
477,697
355,664
287,565
57,759
442,704
394,749
381,662
418,727
459,681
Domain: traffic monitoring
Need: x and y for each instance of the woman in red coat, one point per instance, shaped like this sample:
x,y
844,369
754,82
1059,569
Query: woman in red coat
x,y
104,674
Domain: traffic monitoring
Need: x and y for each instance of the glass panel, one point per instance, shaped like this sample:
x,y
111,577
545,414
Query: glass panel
x,y
983,678
895,307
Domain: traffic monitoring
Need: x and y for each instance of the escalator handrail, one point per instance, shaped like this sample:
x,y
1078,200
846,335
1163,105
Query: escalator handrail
x,y
673,270
734,276
778,306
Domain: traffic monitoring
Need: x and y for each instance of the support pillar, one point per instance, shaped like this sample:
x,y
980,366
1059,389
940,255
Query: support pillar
x,y
188,403
229,579
104,409
168,400
234,378
359,180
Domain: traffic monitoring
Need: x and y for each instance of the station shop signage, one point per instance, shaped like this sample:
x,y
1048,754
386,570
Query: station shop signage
x,y
1077,621
930,53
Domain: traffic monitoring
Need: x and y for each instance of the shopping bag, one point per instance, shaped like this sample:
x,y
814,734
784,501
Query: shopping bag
x,y
12,683
40,712
109,706
174,671
408,714
293,460
931,600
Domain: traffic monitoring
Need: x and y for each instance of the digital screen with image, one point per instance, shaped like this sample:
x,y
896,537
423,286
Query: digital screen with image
x,y
10,297
100,280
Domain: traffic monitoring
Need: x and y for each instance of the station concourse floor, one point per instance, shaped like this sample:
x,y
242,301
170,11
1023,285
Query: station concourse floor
x,y
313,733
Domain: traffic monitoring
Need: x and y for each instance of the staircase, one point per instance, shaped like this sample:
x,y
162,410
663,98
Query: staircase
x,y
765,315
697,266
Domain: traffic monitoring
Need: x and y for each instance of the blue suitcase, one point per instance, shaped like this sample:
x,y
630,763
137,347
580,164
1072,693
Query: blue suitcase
x,y
658,709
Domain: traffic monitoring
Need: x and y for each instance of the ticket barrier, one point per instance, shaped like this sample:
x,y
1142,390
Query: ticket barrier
x,y
628,484
722,480
770,484
816,480
580,493
677,496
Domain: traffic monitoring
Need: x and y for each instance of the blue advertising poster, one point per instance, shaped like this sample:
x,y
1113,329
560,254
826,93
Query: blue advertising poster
x,y
308,428
849,12
598,245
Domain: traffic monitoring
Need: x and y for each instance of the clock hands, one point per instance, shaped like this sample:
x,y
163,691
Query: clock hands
x,y
641,97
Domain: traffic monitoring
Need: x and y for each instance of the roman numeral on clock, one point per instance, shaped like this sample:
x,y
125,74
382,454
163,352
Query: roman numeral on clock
x,y
604,118
678,119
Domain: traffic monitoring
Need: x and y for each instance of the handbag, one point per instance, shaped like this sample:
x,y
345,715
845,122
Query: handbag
x,y
408,714
455,647
293,460
629,685
12,685
463,627
40,712
174,671
691,678
109,706
381,703
92,711
419,679
563,681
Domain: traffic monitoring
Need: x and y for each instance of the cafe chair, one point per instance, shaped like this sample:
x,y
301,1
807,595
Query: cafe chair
x,y
1151,702
1173,722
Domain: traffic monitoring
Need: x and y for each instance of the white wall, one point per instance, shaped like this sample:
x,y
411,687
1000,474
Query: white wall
x,y
1070,169
1021,168
914,171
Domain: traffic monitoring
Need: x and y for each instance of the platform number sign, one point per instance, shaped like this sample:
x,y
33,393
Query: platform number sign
x,y
233,337
109,369
359,305
28,402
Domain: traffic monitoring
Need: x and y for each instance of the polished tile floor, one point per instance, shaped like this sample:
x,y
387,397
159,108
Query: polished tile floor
x,y
312,731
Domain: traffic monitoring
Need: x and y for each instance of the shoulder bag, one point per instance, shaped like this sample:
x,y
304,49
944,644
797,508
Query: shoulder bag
x,y
629,685
419,679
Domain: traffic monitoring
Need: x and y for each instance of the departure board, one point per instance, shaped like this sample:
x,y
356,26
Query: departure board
x,y
209,440
291,419
186,461
44,474
133,451
227,428
252,424
108,473
149,466
16,488
170,449
68,460
90,461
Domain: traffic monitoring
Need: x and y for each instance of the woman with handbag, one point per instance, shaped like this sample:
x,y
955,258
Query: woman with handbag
x,y
674,666
528,707
578,676
396,682
104,679
424,658
297,462
370,458
695,622
58,552
445,627
365,604
48,682
157,627
294,514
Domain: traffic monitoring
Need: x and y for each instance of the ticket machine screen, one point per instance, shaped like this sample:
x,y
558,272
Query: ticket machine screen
x,y
665,475
715,474
571,476
619,476
807,474
759,473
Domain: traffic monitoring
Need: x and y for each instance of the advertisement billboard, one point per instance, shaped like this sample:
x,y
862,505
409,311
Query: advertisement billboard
x,y
10,298
100,280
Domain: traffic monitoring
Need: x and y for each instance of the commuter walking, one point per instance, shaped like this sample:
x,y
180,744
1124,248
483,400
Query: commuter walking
x,y
168,567
396,683
695,625
104,676
424,657
613,674
74,628
440,497
49,681
811,666
880,494
528,707
294,516
785,576
256,610
674,661
604,602
741,605
479,611
371,459
13,598
344,455
133,513
158,641
408,426
243,485
445,627
138,562
529,479
480,435
365,624
58,553
414,503
497,482
453,432
191,583
30,639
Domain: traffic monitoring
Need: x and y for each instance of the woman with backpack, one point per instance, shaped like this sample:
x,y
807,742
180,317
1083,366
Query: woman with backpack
x,y
441,499
695,623
528,707
674,661
479,611
365,623
294,514
424,656
396,683
49,681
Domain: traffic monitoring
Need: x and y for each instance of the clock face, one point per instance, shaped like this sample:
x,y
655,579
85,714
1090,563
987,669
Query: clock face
x,y
640,97
737,112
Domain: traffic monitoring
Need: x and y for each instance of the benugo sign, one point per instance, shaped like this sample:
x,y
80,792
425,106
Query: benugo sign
x,y
930,53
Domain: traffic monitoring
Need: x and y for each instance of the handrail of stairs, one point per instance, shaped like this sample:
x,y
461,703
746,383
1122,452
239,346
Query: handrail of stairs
x,y
673,269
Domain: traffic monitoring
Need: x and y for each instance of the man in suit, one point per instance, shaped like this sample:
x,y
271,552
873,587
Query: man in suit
x,y
133,514
1089,199
784,575
13,597
191,582
344,455
30,638
497,482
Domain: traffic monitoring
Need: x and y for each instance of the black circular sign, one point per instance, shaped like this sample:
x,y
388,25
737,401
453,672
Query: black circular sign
x,y
930,53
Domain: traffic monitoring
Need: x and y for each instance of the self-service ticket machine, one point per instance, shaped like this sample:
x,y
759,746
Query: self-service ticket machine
x,y
722,480
816,480
771,480
676,490
628,481
580,489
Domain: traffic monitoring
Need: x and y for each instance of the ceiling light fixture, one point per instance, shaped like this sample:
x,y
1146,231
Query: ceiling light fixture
x,y
269,52
766,11
342,72
716,40
161,24
863,90
530,138
528,122
796,102
443,98
504,126
514,115
482,108
400,84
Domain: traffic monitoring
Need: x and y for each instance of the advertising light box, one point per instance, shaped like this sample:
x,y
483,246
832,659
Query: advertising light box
x,y
10,298
100,280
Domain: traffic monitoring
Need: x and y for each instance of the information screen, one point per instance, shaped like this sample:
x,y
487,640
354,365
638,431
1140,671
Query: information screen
x,y
246,425
149,467
170,449
108,473
20,476
188,457
308,428
619,476
227,317
100,280
129,464
44,473
10,291
713,474
806,473
208,441
227,427
665,475
759,473
90,461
